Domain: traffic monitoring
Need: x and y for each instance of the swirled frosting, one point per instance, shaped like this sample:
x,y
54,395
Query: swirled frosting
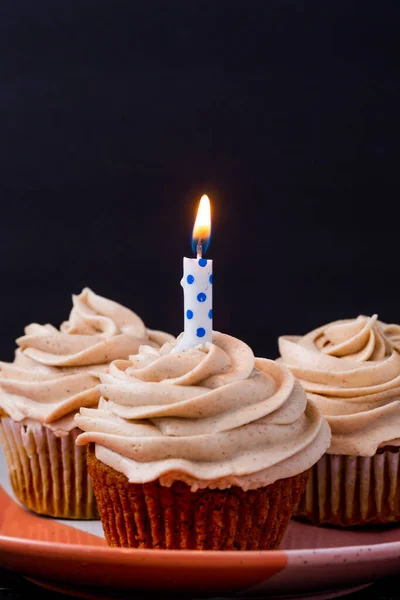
x,y
212,417
55,371
351,370
392,331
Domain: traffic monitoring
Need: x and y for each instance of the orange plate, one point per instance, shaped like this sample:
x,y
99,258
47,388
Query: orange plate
x,y
72,556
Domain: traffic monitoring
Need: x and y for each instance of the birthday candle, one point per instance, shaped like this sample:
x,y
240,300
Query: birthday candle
x,y
197,283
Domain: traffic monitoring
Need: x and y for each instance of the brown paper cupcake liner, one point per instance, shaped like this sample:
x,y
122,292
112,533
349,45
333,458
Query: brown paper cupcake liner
x,y
154,516
48,473
353,490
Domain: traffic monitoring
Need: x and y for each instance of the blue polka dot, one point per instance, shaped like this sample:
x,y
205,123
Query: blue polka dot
x,y
190,279
201,332
201,297
210,313
202,262
189,314
210,279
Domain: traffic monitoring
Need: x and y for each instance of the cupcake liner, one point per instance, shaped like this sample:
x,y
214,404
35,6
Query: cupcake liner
x,y
150,515
353,490
48,473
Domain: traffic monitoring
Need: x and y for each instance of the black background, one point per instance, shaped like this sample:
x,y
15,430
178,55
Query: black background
x,y
17,588
116,116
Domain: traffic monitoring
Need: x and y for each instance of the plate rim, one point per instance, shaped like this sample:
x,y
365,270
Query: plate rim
x,y
62,548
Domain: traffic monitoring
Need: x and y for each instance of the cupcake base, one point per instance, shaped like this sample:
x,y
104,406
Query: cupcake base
x,y
150,515
48,473
348,491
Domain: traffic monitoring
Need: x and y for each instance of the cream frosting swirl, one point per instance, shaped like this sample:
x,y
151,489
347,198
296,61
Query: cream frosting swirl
x,y
392,331
211,417
55,371
351,370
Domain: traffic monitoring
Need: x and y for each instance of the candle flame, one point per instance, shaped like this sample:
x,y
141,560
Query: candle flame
x,y
202,226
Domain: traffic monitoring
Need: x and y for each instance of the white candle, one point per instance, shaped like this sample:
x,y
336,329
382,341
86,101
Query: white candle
x,y
197,285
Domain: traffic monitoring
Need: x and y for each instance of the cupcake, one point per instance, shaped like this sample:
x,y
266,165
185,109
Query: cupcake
x,y
208,448
54,374
351,370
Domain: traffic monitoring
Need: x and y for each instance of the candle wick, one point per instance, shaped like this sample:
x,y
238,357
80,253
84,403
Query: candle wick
x,y
199,248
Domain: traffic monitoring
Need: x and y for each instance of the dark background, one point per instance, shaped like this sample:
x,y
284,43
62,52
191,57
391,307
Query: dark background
x,y
116,116
14,587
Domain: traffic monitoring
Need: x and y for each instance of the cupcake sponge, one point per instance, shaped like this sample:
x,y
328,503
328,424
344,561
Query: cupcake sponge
x,y
150,515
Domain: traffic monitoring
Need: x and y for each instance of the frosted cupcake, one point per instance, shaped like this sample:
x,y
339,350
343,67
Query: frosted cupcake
x,y
351,370
202,449
54,374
